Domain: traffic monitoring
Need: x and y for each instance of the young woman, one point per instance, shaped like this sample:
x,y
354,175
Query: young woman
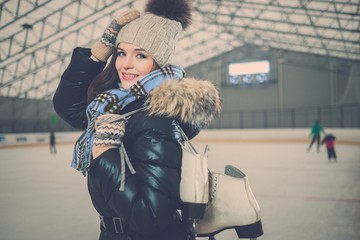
x,y
133,165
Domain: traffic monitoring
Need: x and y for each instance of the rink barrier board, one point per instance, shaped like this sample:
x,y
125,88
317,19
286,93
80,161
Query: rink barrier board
x,y
344,136
275,141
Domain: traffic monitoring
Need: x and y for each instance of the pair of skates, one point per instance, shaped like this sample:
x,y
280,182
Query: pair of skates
x,y
232,205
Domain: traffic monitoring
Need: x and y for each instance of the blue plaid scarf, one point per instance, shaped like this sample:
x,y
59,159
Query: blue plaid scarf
x,y
113,101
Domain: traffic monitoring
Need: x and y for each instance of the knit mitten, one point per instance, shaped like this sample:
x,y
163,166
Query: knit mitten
x,y
103,48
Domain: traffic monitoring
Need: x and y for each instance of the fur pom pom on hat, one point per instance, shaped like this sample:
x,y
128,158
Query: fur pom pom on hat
x,y
158,29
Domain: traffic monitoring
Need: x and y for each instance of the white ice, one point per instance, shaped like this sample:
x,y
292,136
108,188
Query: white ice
x,y
301,194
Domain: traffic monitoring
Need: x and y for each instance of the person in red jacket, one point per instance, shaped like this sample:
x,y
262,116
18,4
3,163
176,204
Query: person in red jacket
x,y
329,141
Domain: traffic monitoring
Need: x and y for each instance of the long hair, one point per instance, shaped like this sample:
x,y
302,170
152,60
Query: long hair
x,y
107,79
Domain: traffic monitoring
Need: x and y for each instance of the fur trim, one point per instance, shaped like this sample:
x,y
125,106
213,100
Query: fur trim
x,y
178,10
190,100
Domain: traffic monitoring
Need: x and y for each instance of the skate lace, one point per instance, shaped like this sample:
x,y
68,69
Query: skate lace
x,y
213,184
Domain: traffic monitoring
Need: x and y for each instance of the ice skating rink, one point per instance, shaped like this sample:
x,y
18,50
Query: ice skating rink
x,y
301,194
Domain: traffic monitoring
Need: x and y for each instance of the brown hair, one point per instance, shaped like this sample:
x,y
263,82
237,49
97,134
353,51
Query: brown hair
x,y
107,79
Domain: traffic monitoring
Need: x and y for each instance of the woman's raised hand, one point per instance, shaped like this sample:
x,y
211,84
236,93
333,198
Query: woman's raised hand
x,y
103,48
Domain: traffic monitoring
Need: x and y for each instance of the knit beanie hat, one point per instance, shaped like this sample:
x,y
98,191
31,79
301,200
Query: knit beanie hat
x,y
158,29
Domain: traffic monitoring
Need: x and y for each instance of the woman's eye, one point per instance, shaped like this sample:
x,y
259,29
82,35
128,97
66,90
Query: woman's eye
x,y
142,56
121,54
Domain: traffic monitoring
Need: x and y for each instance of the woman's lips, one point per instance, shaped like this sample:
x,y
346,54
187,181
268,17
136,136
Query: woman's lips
x,y
129,77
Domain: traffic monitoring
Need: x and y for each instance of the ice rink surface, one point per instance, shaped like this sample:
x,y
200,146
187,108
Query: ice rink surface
x,y
301,194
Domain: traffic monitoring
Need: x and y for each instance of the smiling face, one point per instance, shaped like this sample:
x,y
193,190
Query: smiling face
x,y
132,63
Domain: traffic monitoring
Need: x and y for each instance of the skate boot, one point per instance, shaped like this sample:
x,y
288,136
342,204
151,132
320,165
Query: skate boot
x,y
232,205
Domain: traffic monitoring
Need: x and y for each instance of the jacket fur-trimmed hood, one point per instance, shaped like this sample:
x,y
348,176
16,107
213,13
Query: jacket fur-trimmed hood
x,y
190,100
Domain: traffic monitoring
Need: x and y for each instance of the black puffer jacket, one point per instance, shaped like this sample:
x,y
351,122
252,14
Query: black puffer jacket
x,y
148,206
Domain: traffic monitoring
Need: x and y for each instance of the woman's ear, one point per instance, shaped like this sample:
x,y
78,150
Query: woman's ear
x,y
155,66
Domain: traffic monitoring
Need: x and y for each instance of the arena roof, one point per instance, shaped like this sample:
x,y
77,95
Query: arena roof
x,y
37,37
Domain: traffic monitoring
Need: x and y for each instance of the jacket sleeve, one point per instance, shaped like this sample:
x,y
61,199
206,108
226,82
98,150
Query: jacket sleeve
x,y
70,99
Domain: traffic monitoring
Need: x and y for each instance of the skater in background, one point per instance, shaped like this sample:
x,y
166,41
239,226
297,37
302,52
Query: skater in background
x,y
52,142
329,141
316,131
